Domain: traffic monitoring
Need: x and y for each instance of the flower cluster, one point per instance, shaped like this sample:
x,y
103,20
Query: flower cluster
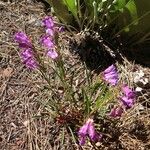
x,y
128,97
26,53
48,39
127,100
88,129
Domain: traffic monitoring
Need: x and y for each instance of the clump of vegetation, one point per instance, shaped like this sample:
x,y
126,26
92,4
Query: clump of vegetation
x,y
78,110
87,14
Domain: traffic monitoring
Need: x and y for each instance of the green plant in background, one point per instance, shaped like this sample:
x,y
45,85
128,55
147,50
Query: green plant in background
x,y
129,16
91,12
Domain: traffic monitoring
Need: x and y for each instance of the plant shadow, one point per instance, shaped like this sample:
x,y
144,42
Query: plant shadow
x,y
93,52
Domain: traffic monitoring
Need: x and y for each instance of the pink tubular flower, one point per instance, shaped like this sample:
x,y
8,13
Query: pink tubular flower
x,y
47,41
116,112
92,132
128,92
88,129
26,53
52,53
111,75
22,39
48,22
50,32
28,58
31,64
84,129
128,99
127,102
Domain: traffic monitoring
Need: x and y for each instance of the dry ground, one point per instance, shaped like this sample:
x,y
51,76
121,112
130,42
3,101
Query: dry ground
x,y
21,124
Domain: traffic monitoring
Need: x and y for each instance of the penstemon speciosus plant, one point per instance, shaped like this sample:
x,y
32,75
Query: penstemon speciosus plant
x,y
92,102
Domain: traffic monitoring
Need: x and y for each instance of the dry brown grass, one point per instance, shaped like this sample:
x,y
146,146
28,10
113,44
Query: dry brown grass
x,y
24,124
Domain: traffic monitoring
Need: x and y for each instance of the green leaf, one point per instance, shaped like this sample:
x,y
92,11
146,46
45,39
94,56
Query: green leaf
x,y
63,136
89,7
61,11
72,6
95,11
89,3
120,4
131,6
87,102
103,99
73,136
95,87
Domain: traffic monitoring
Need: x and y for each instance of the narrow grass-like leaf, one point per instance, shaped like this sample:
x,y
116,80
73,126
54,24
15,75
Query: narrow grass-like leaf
x,y
89,3
87,102
72,6
105,97
63,136
102,101
94,88
73,137
88,74
89,8
95,19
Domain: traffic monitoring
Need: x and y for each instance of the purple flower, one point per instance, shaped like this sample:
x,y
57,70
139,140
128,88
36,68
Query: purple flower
x,y
48,22
26,54
116,112
61,29
52,53
31,64
84,129
110,75
22,39
47,41
82,140
50,32
128,98
28,58
110,69
128,102
128,92
88,129
91,131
